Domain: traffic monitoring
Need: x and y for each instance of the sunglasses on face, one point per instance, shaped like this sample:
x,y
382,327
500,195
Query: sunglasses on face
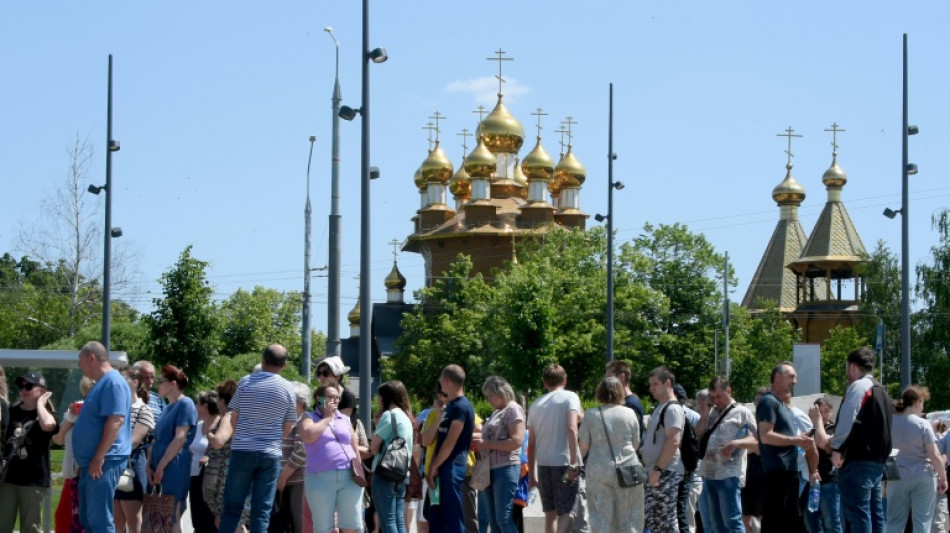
x,y
27,386
324,373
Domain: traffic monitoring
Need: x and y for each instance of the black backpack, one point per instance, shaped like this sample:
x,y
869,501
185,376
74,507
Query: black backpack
x,y
689,444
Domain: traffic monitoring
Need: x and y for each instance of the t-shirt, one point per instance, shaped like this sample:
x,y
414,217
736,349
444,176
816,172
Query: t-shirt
x,y
264,402
33,469
738,423
773,411
497,429
334,449
910,434
394,422
547,419
431,419
458,409
633,402
655,437
110,396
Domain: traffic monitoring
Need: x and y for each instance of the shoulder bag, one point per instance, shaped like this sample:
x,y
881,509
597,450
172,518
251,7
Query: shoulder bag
x,y
704,440
393,466
356,465
628,475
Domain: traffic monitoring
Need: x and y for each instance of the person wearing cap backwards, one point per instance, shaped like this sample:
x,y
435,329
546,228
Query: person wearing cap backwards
x,y
28,474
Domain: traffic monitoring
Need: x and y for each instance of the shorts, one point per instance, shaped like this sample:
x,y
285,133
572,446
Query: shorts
x,y
555,495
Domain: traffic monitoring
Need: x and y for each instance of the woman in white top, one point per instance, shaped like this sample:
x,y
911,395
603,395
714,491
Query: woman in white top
x,y
921,467
202,519
127,506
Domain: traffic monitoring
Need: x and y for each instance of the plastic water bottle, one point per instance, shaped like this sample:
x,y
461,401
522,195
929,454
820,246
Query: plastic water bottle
x,y
435,493
533,496
814,498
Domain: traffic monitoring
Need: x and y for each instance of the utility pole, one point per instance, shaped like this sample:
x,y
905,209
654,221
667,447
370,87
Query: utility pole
x,y
727,364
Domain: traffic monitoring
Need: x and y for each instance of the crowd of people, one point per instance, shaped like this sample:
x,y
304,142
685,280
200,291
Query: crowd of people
x,y
269,455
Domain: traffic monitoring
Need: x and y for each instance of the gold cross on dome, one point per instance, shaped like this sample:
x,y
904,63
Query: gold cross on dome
x,y
789,133
500,59
539,113
437,117
481,113
834,129
395,244
431,127
464,134
562,131
569,122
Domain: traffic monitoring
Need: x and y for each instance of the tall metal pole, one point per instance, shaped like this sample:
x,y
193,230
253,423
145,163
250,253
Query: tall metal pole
x,y
333,290
107,242
305,334
366,281
905,244
610,230
727,364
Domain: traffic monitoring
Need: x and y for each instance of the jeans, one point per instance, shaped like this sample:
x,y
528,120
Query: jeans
x,y
448,516
914,496
495,503
334,491
96,495
723,504
388,498
828,517
780,509
254,472
861,506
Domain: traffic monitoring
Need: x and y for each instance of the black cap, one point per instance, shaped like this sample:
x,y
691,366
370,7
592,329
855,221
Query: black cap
x,y
31,377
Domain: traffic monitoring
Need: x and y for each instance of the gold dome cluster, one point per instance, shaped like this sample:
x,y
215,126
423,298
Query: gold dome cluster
x,y
500,130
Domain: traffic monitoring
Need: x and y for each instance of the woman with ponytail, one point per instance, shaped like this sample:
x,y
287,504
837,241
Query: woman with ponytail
x,y
921,467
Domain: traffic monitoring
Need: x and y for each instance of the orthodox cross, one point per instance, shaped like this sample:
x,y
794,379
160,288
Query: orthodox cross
x,y
437,117
789,133
834,138
395,244
562,131
481,113
539,113
464,134
430,126
500,59
569,121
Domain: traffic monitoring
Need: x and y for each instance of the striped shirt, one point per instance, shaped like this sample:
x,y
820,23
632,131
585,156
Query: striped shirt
x,y
294,453
264,402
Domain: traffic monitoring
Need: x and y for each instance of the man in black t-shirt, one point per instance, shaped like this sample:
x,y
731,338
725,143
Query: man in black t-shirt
x,y
32,423
621,370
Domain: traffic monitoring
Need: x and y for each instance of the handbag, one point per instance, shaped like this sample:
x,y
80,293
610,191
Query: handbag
x,y
481,474
627,475
356,465
892,472
704,441
158,511
126,480
393,466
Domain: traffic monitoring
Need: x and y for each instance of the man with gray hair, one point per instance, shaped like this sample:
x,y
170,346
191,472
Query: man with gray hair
x,y
289,513
102,438
155,402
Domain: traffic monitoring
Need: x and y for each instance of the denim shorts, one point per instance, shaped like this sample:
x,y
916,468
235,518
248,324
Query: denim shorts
x,y
555,495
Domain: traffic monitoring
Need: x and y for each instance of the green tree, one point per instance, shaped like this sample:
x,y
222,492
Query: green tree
x,y
252,320
834,352
184,327
931,347
758,343
882,304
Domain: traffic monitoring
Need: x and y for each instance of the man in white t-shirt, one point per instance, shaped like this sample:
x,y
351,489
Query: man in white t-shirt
x,y
552,422
661,454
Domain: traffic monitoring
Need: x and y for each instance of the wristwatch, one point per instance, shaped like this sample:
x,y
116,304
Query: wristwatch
x,y
656,468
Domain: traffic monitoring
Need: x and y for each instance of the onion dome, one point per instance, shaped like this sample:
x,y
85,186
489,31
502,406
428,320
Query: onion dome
x,y
481,162
789,192
519,177
395,280
437,168
419,180
500,131
354,314
538,164
834,177
569,171
461,184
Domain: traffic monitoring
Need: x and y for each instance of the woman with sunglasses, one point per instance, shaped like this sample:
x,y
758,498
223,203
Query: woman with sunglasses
x,y
169,463
331,448
332,372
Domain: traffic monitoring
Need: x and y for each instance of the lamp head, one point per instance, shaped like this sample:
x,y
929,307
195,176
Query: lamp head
x,y
328,29
913,129
619,185
600,218
911,169
348,113
96,190
373,173
113,145
116,232
890,213
378,55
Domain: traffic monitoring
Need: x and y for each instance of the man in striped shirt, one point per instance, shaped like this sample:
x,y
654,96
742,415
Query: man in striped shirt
x,y
262,411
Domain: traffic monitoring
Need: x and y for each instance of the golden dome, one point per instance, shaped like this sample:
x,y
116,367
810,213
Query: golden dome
x,y
461,184
538,164
481,162
354,315
569,171
834,177
395,280
437,168
789,191
419,180
519,177
500,131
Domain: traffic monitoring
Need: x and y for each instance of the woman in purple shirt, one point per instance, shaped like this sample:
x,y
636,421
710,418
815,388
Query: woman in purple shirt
x,y
329,484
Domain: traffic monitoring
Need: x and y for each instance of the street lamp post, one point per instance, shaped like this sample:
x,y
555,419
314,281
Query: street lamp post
x,y
111,146
306,326
611,185
906,170
333,290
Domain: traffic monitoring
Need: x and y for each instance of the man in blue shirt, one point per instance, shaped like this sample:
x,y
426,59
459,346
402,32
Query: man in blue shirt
x,y
102,438
450,463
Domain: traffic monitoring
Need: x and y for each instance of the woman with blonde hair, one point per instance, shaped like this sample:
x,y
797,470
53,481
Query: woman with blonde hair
x,y
921,467
500,444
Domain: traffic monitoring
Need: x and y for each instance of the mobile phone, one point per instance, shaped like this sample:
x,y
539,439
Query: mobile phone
x,y
321,402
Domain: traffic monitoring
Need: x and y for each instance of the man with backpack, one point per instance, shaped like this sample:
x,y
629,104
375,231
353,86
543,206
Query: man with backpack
x,y
661,454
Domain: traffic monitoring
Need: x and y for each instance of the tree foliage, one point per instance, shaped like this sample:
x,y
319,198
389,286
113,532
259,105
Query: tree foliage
x,y
882,304
758,343
841,341
931,350
184,327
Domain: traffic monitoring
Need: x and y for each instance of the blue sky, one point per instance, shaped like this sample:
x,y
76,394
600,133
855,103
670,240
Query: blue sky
x,y
215,101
